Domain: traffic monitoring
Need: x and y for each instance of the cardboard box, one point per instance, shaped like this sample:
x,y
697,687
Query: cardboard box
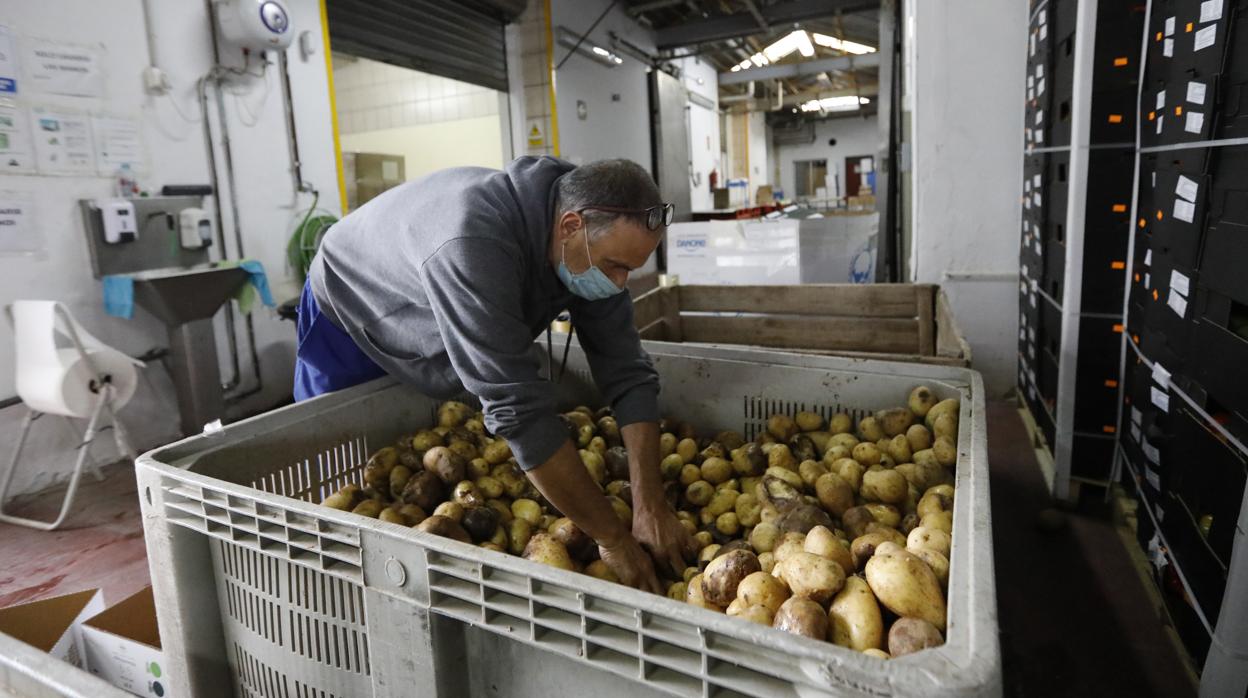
x,y
122,646
52,625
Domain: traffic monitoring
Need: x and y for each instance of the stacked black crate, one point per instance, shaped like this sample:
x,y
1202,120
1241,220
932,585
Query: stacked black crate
x,y
1070,384
1185,415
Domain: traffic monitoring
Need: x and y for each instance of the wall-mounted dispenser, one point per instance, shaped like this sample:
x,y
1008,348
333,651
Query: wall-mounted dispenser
x,y
194,228
117,220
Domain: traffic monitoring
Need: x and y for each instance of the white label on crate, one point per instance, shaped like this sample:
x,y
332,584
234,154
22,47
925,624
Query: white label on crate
x,y
1030,94
1161,514
1034,284
1206,37
1039,116
1177,303
1024,270
1026,202
1161,398
1196,92
1031,48
1039,71
1035,179
1179,282
1148,257
1036,198
1039,136
1160,375
1170,26
1027,134
1137,417
1031,82
1153,183
1161,99
1026,190
1031,390
1040,87
1184,210
1022,334
1195,122
1167,48
1031,351
1160,120
1135,433
1148,280
1187,188
1031,333
1210,11
1037,245
1033,300
1151,452
1153,479
1022,319
1044,32
1022,287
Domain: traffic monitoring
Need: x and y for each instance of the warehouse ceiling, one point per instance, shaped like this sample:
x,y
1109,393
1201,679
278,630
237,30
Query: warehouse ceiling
x,y
824,76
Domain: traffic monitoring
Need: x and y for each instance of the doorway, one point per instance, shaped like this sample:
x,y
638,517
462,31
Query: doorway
x,y
859,175
809,177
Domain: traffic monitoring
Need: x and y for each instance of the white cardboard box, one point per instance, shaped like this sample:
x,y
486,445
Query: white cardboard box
x,y
52,625
122,646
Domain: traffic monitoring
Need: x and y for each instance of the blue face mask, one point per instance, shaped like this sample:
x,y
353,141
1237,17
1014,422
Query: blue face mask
x,y
591,284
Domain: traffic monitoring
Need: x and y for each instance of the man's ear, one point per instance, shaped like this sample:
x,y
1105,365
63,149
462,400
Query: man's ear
x,y
569,223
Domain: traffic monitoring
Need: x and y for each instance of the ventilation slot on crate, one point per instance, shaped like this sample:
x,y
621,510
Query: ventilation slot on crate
x,y
756,410
255,678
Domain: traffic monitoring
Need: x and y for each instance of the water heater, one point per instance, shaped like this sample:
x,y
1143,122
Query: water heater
x,y
257,25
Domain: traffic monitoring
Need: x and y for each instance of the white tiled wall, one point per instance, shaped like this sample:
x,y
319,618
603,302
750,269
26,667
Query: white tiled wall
x,y
372,96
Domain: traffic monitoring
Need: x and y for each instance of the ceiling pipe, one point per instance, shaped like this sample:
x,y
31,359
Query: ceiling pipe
x,y
747,96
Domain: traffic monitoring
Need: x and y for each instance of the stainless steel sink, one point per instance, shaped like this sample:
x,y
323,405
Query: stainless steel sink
x,y
185,299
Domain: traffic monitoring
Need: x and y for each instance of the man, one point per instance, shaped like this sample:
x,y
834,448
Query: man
x,y
446,281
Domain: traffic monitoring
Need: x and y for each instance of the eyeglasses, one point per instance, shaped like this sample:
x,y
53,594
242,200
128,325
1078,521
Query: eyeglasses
x,y
656,216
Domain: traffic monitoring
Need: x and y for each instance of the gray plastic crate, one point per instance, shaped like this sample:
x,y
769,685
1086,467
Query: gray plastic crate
x,y
260,589
32,673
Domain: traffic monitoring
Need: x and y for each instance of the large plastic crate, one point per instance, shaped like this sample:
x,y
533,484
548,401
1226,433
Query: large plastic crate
x,y
29,672
259,589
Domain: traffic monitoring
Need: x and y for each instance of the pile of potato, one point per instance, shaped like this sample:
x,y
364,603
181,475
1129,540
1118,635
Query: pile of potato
x,y
833,531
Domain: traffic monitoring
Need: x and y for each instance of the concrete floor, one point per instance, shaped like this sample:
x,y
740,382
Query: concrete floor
x,y
1074,614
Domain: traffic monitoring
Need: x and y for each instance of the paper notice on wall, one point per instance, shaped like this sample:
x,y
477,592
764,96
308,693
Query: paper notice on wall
x,y
1160,398
1148,257
15,149
1160,375
1187,188
1195,122
1177,303
1170,26
18,233
1179,282
1196,92
8,63
65,69
118,142
62,141
1210,11
1161,100
1206,37
1167,48
1184,210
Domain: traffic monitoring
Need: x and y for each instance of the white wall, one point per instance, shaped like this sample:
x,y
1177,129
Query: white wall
x,y
967,170
430,147
758,145
703,132
176,155
611,129
854,136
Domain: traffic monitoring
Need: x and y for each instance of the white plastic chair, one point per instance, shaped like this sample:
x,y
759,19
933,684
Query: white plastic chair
x,y
81,380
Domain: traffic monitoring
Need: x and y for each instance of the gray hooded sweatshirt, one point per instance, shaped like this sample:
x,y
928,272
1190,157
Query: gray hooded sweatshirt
x,y
445,282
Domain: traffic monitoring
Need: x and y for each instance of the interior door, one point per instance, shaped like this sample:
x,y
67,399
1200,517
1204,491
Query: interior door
x,y
859,170
670,140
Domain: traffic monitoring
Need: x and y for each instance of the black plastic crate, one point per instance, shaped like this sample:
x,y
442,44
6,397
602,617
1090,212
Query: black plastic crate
x,y
1225,243
1208,477
1096,375
1221,332
1205,574
1091,456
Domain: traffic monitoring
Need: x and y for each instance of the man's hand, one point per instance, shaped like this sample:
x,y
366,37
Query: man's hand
x,y
631,564
661,533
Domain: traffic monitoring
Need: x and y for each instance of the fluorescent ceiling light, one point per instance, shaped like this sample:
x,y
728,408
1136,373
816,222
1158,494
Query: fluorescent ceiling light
x,y
573,41
841,45
759,59
601,51
845,103
804,46
788,44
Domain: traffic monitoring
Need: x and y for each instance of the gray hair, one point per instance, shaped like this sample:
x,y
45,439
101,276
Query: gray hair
x,y
616,183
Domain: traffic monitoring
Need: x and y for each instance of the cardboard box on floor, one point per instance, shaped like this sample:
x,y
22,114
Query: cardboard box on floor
x,y
122,646
52,625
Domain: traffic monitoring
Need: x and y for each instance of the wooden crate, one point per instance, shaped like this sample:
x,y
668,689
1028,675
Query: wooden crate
x,y
899,322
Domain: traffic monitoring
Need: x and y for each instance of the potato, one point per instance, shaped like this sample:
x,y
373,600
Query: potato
x,y
594,465
866,453
667,445
446,527
391,515
728,524
851,471
377,469
869,429
499,538
344,499
801,616
690,573
909,635
748,509
464,449
609,429
906,585
878,654
477,468
716,470
693,595
932,538
945,451
425,440
730,440
689,473
466,494
749,460
845,440
919,437
863,548
935,500
820,440
699,494
802,448
519,531
938,562
446,464
840,423
781,426
820,541
908,523
921,400
767,562
488,545
885,514
677,591
781,456
888,486
834,453
546,522
703,539
452,413
899,449
764,537
854,618
412,514
707,554
546,549
789,545
802,518
616,459
515,483
687,449
755,614
761,588
855,520
622,510
950,406
451,510
894,421
811,576
810,471
602,571
724,574
527,509
834,494
926,457
577,542
939,520
495,452
480,523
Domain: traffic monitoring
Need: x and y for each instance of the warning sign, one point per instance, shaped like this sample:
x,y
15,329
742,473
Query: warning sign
x,y
537,139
